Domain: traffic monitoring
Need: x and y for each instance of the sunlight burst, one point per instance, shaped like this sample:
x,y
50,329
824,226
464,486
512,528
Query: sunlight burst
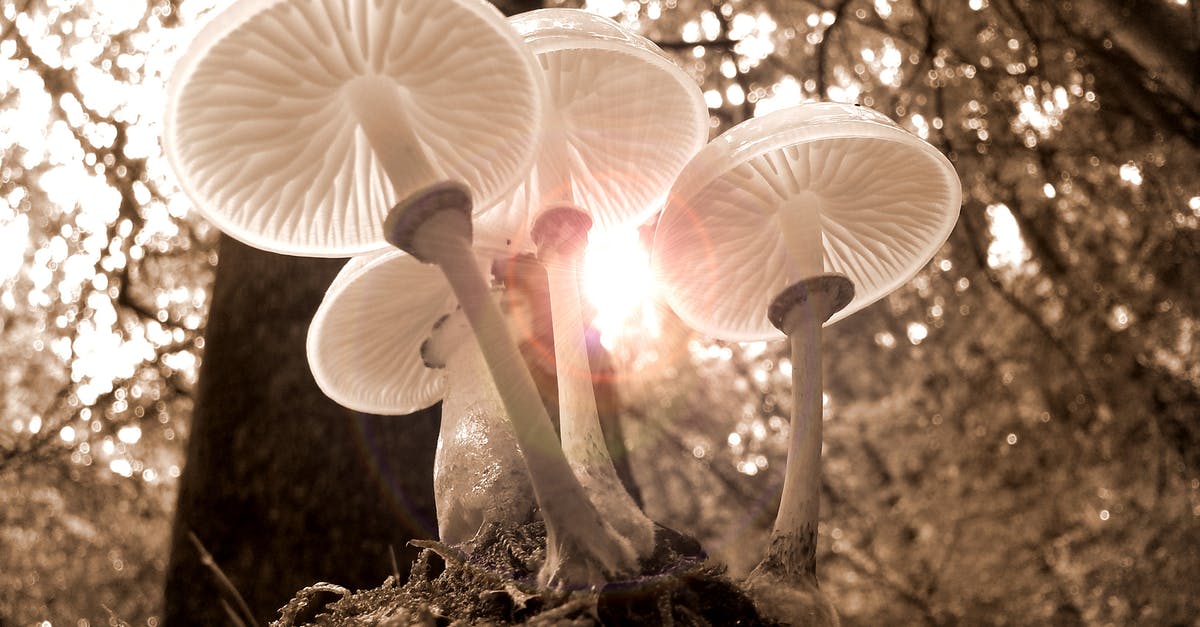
x,y
617,281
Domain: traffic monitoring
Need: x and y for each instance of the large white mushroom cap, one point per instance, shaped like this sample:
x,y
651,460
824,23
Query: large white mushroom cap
x,y
364,345
739,226
295,125
620,122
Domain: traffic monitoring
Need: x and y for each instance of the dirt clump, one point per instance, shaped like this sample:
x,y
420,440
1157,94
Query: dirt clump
x,y
492,581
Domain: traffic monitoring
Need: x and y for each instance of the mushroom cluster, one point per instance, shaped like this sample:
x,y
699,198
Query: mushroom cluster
x,y
458,137
336,128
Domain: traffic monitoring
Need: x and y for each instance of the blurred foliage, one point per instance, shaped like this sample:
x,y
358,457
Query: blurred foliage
x,y
1012,438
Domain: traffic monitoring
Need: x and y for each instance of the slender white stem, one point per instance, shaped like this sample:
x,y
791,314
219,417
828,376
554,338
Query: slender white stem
x,y
784,585
579,421
380,108
800,224
794,536
561,237
554,182
478,473
576,398
581,549
792,550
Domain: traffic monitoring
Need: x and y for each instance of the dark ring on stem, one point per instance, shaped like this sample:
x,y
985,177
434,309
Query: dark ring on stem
x,y
427,353
838,289
405,219
560,227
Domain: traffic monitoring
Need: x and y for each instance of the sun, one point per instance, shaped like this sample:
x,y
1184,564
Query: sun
x,y
618,282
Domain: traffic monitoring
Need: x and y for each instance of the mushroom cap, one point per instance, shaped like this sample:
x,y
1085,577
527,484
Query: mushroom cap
x,y
262,130
621,118
364,344
885,199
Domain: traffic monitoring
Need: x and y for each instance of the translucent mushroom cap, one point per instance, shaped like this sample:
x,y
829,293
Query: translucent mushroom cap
x,y
364,345
816,188
295,125
621,121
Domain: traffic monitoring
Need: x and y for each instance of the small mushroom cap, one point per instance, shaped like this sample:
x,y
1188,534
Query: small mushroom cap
x,y
884,199
364,345
621,119
265,123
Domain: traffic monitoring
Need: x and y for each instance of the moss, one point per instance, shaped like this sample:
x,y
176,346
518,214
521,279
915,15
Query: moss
x,y
495,584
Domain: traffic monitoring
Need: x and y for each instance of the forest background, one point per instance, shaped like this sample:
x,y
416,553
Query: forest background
x,y
1011,438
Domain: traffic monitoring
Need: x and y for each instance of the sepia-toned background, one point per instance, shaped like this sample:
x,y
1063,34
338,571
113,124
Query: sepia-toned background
x,y
1011,438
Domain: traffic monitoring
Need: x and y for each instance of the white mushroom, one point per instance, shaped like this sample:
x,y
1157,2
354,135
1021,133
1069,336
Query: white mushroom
x,y
373,352
582,550
296,125
780,225
621,121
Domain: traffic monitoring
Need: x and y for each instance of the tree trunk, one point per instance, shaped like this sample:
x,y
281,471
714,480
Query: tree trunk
x,y
282,486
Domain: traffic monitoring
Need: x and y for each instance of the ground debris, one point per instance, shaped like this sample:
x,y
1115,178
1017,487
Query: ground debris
x,y
492,581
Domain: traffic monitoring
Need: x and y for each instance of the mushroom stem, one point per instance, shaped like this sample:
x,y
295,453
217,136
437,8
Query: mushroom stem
x,y
785,582
794,536
381,109
800,224
554,180
478,475
434,225
793,545
561,237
